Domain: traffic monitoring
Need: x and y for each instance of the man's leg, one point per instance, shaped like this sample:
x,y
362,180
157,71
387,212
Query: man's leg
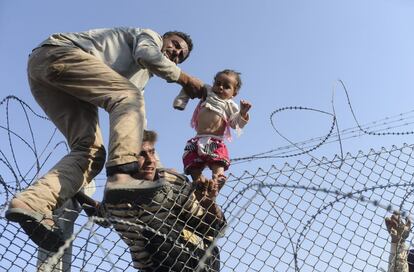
x,y
77,120
88,79
85,77
69,84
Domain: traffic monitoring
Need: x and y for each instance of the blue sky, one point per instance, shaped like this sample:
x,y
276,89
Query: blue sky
x,y
290,53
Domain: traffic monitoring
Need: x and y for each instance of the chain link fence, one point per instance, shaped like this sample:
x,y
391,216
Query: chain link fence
x,y
320,215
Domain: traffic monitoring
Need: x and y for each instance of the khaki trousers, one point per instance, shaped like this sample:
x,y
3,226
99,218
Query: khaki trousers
x,y
70,84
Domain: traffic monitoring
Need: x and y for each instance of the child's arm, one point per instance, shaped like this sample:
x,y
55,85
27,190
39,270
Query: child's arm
x,y
244,108
239,118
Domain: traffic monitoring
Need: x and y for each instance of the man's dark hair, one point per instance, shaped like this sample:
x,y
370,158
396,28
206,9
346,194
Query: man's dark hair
x,y
233,73
183,36
149,136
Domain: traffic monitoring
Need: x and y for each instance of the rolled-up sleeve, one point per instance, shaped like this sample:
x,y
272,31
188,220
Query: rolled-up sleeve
x,y
397,261
147,53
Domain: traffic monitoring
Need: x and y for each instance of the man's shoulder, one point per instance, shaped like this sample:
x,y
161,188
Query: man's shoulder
x,y
135,31
149,32
172,176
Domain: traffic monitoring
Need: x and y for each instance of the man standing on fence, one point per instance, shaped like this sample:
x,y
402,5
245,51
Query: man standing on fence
x,y
70,76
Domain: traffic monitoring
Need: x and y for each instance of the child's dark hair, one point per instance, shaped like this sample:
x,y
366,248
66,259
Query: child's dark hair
x,y
183,36
232,73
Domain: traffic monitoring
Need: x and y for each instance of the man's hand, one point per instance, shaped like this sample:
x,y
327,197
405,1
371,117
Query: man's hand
x,y
205,188
192,85
206,192
244,108
193,93
397,228
92,208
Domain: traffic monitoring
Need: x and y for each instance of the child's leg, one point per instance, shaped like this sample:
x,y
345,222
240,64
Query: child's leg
x,y
195,173
218,174
200,182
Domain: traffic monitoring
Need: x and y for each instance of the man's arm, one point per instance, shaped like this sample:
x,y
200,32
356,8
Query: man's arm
x,y
397,261
399,231
84,199
91,208
192,86
148,54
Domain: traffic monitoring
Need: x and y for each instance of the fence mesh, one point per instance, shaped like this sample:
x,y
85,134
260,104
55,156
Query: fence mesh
x,y
320,215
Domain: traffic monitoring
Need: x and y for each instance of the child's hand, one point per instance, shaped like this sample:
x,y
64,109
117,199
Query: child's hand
x,y
206,189
244,108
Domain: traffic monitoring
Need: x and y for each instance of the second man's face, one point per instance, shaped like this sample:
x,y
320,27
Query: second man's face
x,y
147,162
175,48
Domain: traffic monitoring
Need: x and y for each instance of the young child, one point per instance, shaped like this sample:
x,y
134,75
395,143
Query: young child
x,y
212,118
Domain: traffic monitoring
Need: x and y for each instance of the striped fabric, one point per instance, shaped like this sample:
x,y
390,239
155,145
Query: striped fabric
x,y
163,224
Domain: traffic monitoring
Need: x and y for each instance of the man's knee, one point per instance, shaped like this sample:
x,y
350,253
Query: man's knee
x,y
127,98
93,157
98,162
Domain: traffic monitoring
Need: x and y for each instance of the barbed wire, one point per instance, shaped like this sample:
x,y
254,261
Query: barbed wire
x,y
307,146
299,217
